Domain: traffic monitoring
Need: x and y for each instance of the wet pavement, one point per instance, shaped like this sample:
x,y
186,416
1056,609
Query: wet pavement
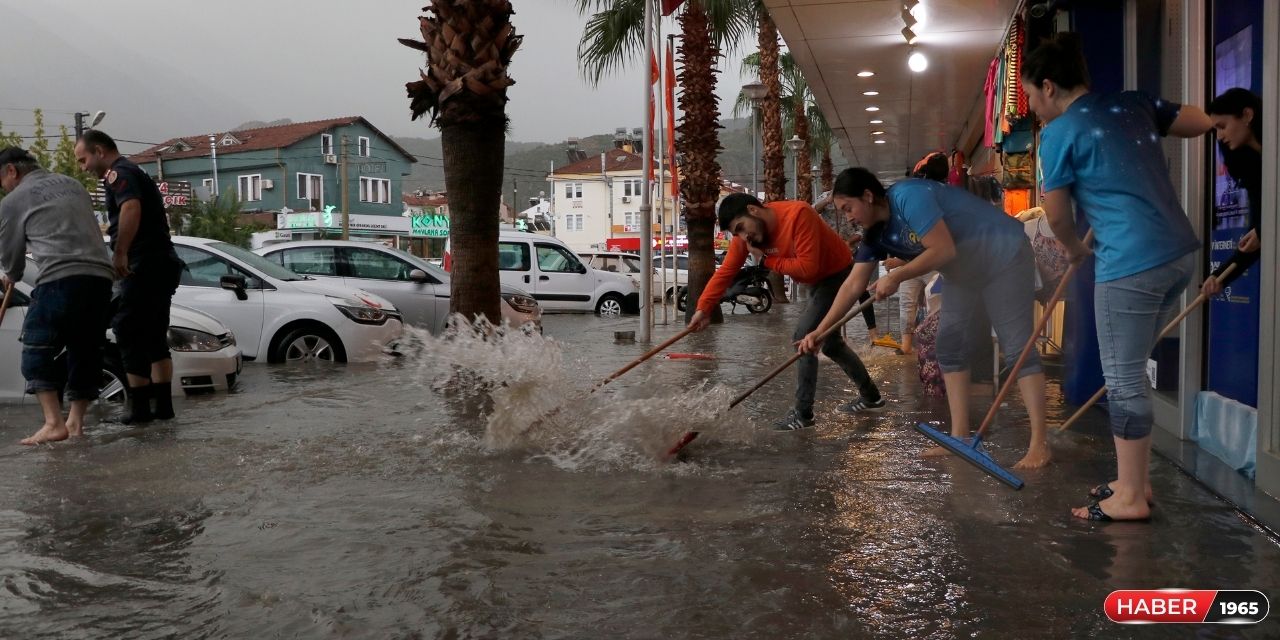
x,y
380,501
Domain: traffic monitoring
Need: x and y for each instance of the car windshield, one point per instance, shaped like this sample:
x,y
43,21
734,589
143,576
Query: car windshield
x,y
256,261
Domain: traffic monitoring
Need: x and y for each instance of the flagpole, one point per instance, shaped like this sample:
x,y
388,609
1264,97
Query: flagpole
x,y
660,107
646,197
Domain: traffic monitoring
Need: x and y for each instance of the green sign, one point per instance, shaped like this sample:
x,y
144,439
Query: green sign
x,y
430,225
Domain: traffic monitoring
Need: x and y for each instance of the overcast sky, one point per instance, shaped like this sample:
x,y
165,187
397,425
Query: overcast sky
x,y
164,68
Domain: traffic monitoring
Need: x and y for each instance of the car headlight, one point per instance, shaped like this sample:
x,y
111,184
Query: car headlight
x,y
359,311
521,303
182,339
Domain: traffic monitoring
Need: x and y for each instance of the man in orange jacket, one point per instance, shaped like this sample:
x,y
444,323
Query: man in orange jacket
x,y
789,237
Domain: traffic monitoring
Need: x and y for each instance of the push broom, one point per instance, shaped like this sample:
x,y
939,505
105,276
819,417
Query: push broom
x,y
1168,329
971,451
4,304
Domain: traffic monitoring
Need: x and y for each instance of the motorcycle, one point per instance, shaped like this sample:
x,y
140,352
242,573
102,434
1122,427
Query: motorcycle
x,y
750,288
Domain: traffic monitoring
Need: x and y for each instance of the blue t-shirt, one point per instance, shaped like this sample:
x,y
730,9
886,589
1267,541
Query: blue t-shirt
x,y
986,239
1106,149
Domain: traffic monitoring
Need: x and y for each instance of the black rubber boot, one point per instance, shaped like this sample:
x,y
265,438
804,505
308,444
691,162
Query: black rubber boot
x,y
139,406
162,393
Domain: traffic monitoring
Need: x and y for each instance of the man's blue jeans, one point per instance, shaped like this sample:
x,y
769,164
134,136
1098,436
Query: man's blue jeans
x,y
66,314
1130,312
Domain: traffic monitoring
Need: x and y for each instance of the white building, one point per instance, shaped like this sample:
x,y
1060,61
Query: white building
x,y
596,203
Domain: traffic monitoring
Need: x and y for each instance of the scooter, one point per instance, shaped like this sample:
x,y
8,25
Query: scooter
x,y
750,289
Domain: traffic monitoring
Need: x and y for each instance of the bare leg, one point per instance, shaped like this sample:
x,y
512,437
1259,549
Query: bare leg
x,y
55,428
908,336
1133,458
1038,453
162,371
75,418
958,399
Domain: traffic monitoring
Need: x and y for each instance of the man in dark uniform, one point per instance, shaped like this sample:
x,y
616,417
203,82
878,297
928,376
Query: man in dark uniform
x,y
148,269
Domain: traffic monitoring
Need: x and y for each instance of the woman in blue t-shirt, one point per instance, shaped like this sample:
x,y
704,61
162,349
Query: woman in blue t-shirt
x,y
1104,152
985,257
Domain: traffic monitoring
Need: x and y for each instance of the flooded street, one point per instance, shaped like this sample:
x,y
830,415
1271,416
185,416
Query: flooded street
x,y
378,502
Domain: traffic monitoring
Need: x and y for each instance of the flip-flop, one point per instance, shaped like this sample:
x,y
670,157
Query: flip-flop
x,y
1096,514
1104,491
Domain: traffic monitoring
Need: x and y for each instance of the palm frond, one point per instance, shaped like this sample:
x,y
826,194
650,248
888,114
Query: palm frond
x,y
612,38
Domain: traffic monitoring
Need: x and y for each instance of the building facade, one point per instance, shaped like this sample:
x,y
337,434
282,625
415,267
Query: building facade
x,y
596,202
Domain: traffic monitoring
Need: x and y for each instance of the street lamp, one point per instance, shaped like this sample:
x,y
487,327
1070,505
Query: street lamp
x,y
795,143
755,92
80,116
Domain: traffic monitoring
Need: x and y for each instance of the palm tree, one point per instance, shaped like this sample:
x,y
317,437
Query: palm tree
x,y
469,45
775,175
796,110
823,140
614,36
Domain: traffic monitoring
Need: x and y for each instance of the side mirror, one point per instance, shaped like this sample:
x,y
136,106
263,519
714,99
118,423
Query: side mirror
x,y
419,276
236,283
582,268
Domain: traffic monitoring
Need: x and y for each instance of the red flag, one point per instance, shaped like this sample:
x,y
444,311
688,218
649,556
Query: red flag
x,y
670,5
670,98
654,76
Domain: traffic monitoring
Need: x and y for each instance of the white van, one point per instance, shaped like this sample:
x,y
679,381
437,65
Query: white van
x,y
557,278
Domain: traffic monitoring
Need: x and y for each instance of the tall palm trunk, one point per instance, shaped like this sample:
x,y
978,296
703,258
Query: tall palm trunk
x,y
828,170
699,142
804,171
469,45
775,177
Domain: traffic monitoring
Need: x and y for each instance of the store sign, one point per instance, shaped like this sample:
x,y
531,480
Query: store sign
x,y
175,194
332,220
431,225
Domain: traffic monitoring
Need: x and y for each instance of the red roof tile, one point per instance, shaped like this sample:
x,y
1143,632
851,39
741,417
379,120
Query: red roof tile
x,y
264,138
425,201
614,160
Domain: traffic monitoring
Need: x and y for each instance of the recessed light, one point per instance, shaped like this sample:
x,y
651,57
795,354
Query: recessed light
x,y
879,141
877,121
870,93
877,133
873,108
909,35
917,62
866,74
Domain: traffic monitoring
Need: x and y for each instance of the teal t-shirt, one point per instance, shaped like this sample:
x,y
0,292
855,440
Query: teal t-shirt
x,y
1106,149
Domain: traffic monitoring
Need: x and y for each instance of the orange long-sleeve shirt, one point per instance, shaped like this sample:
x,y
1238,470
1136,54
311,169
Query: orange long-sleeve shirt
x,y
802,246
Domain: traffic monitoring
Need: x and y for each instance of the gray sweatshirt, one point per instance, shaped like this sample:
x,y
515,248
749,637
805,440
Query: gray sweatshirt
x,y
51,215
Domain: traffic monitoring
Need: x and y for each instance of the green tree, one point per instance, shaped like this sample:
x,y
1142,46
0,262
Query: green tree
x,y
469,45
217,219
58,159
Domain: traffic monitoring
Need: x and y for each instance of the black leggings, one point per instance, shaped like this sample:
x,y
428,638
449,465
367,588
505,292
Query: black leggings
x,y
868,312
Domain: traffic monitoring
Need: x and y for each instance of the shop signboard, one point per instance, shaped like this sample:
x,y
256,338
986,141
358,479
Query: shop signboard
x,y
429,225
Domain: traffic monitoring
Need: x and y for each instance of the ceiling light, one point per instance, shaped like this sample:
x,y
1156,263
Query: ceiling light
x,y
908,19
917,62
870,93
866,74
877,121
881,141
873,108
877,133
910,4
920,14
909,35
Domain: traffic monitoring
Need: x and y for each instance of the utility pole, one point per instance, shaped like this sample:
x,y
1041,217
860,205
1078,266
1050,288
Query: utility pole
x,y
551,180
515,200
346,193
608,184
80,124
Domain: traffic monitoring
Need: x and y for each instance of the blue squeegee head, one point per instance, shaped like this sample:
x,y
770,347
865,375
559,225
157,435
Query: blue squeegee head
x,y
972,453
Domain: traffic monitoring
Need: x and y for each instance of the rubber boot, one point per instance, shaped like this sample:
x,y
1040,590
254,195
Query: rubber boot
x,y
139,406
162,393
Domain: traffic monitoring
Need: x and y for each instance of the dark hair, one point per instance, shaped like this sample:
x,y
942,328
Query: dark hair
x,y
95,138
733,206
932,167
1060,59
855,181
1233,102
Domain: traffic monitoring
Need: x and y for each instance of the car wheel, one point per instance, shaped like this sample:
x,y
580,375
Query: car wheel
x,y
114,388
610,306
682,301
309,344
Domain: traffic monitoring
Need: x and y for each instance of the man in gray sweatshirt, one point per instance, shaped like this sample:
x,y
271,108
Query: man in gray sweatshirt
x,y
51,216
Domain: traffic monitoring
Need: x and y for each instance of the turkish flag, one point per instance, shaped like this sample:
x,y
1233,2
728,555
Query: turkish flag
x,y
670,99
670,5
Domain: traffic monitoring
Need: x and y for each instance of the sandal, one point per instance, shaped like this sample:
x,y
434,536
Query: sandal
x,y
1104,491
1096,514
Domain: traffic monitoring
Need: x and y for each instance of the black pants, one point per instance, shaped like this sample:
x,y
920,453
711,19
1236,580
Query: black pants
x,y
141,319
822,295
66,314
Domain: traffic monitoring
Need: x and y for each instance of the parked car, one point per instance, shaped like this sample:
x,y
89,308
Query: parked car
x,y
629,264
205,355
279,315
419,289
558,279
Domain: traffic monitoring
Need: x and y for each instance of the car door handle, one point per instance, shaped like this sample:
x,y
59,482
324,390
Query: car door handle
x,y
544,277
526,279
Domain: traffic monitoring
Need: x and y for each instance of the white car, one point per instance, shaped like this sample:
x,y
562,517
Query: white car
x,y
278,315
557,278
629,264
205,355
419,289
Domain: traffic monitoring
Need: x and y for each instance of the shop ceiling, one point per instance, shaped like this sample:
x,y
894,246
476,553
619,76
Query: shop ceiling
x,y
834,40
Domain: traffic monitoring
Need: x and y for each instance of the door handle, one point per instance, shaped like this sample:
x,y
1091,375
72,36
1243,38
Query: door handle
x,y
526,279
544,278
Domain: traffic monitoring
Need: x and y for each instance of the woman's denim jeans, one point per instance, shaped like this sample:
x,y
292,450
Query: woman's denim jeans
x,y
1130,313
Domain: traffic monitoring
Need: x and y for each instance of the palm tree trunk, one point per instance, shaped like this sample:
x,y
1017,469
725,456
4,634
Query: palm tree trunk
x,y
775,178
699,142
804,171
473,159
828,170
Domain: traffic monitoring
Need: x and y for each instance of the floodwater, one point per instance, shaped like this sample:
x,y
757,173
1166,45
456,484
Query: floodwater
x,y
398,501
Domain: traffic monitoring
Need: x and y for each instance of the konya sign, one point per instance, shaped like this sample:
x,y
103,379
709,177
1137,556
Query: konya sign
x,y
430,225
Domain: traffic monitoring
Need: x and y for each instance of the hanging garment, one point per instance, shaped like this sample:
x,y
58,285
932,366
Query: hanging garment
x,y
989,89
955,177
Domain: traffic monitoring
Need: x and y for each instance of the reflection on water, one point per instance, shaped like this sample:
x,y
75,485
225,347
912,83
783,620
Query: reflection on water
x,y
478,488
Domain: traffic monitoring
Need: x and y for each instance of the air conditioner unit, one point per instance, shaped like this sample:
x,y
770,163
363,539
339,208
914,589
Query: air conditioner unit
x,y
330,158
626,199
268,184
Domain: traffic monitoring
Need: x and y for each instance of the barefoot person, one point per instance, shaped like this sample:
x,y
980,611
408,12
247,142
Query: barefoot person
x,y
986,260
791,239
148,267
1103,151
1237,122
52,215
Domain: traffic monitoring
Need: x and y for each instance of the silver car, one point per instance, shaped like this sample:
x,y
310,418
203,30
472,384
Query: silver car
x,y
419,289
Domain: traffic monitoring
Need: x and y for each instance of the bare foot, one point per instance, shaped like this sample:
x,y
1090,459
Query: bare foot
x,y
1117,509
47,433
1035,458
934,452
75,430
